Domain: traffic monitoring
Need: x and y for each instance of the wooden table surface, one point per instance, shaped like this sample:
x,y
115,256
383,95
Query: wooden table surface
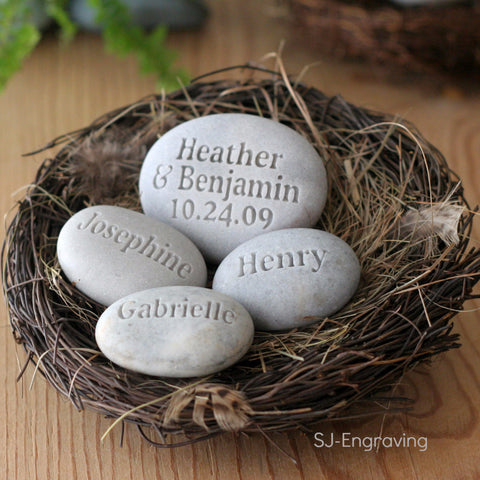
x,y
43,437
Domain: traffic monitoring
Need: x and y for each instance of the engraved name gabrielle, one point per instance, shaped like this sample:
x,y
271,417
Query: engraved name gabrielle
x,y
227,185
129,241
311,259
158,309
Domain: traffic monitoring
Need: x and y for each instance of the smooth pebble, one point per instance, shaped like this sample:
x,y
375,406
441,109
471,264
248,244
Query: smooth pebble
x,y
225,178
109,252
285,278
175,332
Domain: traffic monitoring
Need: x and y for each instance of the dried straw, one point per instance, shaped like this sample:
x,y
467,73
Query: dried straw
x,y
392,198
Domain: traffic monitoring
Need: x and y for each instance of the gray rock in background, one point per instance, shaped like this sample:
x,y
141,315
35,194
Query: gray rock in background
x,y
39,14
36,14
175,14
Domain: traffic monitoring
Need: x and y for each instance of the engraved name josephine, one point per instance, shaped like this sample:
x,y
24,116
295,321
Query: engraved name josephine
x,y
131,242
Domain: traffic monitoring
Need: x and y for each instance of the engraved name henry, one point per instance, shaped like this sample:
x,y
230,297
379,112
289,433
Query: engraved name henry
x,y
309,259
131,242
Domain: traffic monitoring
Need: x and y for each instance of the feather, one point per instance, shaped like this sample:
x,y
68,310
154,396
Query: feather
x,y
102,168
437,220
229,408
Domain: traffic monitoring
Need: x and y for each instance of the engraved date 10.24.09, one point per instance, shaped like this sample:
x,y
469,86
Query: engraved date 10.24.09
x,y
228,214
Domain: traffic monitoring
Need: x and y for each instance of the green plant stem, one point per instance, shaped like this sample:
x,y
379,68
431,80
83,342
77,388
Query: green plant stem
x,y
18,38
123,38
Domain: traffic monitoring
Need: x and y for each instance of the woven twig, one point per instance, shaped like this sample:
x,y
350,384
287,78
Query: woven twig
x,y
380,171
435,42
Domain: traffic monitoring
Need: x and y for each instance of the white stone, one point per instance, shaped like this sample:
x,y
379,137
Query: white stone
x,y
175,332
108,252
285,278
223,179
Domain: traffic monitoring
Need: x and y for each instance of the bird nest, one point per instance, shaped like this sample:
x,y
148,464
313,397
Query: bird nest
x,y
392,197
438,42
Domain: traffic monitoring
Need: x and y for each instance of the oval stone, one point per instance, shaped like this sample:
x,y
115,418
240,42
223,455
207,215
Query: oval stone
x,y
287,277
175,331
225,178
109,252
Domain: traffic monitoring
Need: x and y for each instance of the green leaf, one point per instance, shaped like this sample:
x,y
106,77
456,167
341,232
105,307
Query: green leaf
x,y
17,38
57,10
122,37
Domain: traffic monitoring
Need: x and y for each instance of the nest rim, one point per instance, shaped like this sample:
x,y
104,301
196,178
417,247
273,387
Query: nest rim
x,y
431,44
288,379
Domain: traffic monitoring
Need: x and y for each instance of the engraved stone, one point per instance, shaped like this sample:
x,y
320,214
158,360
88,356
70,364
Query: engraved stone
x,y
225,178
290,278
108,252
175,331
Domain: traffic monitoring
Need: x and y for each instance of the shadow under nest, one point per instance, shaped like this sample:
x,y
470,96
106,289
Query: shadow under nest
x,y
392,198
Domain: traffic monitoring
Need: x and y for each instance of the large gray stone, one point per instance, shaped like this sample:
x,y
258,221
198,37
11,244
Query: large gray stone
x,y
109,252
290,278
223,179
175,332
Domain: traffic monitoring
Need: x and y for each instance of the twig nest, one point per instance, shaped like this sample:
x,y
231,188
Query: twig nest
x,y
429,3
433,40
391,197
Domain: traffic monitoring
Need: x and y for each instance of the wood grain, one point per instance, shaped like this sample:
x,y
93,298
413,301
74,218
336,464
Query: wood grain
x,y
44,437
